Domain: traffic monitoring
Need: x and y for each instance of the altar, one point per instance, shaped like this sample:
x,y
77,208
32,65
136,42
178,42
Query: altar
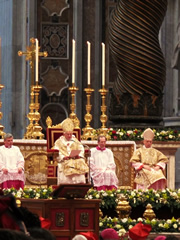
x,y
35,155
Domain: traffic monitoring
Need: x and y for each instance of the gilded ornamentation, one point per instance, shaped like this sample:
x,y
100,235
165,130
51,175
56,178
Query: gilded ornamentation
x,y
48,122
103,117
18,203
100,213
33,130
36,168
123,208
149,213
88,130
72,115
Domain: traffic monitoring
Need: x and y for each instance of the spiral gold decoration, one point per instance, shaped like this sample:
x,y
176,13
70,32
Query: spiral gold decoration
x,y
135,48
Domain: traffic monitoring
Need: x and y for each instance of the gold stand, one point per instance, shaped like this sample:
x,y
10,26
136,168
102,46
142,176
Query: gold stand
x,y
88,130
72,115
103,118
149,213
123,208
29,128
37,134
1,115
33,130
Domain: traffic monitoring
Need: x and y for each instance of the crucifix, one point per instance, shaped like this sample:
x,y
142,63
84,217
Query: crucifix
x,y
31,56
33,129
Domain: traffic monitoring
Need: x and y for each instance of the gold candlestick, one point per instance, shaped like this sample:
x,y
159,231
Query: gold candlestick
x,y
103,117
37,134
88,130
1,115
33,115
29,128
72,115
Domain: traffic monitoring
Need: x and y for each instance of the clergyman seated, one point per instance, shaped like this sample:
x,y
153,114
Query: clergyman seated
x,y
71,164
149,164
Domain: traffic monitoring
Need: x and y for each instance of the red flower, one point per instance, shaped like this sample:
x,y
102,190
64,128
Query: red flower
x,y
113,132
115,137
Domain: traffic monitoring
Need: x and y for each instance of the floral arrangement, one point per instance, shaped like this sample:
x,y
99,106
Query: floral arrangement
x,y
165,134
158,199
35,193
122,226
109,199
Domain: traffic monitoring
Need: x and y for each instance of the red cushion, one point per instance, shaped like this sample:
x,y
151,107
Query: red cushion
x,y
52,150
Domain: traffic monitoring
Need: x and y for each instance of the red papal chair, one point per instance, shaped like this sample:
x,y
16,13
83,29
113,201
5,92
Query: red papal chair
x,y
53,132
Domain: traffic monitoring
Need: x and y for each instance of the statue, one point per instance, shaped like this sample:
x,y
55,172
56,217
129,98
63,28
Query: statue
x,y
137,93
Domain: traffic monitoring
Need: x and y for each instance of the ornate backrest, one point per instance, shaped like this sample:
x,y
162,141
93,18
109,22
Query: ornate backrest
x,y
53,133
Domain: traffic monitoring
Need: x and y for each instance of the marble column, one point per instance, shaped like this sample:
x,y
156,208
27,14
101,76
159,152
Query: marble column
x,y
15,16
168,39
78,35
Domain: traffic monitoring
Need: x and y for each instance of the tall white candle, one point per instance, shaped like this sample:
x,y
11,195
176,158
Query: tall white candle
x,y
103,64
37,57
73,60
89,63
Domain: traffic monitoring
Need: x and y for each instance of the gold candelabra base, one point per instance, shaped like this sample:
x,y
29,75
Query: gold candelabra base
x,y
37,134
34,130
103,118
88,133
88,130
2,133
29,131
72,115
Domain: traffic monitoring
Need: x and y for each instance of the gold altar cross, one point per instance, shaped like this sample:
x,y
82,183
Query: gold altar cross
x,y
33,129
31,56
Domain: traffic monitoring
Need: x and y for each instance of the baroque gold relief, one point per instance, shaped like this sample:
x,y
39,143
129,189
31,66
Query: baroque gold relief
x,y
36,168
